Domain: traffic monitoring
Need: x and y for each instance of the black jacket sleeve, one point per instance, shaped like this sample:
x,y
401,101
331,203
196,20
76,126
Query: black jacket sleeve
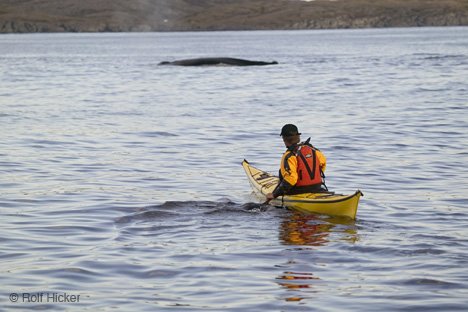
x,y
282,188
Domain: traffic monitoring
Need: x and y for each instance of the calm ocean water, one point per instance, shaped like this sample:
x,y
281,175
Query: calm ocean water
x,y
122,187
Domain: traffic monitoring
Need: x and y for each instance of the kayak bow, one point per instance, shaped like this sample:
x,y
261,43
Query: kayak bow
x,y
327,203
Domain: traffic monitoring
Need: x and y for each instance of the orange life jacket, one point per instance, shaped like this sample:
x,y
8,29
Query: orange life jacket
x,y
308,165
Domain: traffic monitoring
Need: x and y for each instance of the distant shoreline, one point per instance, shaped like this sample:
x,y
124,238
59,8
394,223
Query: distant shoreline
x,y
89,16
233,30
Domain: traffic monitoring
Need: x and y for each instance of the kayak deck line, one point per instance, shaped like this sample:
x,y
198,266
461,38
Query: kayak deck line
x,y
324,203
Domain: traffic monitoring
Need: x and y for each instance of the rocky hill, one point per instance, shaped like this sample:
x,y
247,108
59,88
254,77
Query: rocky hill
x,y
176,15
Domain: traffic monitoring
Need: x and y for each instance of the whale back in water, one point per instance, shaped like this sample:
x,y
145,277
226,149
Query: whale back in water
x,y
213,61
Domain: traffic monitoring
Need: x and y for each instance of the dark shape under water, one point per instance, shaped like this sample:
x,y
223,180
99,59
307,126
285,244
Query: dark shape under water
x,y
213,61
176,209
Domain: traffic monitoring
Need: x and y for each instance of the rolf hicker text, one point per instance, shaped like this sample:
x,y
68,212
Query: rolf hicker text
x,y
44,297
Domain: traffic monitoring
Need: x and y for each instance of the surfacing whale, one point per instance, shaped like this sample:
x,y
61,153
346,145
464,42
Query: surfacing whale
x,y
213,61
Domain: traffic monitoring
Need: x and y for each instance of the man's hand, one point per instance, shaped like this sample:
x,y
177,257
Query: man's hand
x,y
269,197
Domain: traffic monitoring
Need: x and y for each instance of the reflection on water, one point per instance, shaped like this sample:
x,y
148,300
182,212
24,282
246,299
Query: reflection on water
x,y
296,280
304,231
313,230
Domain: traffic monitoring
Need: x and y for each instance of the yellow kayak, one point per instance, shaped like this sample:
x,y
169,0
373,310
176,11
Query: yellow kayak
x,y
325,203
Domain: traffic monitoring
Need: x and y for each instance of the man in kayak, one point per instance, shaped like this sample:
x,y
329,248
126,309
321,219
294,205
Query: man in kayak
x,y
302,166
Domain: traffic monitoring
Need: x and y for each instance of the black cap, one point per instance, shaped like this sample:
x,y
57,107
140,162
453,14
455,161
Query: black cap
x,y
289,130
